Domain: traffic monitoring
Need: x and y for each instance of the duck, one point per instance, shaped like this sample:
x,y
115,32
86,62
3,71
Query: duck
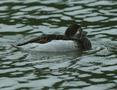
x,y
73,39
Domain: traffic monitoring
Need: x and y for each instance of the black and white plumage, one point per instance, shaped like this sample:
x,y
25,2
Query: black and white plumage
x,y
73,39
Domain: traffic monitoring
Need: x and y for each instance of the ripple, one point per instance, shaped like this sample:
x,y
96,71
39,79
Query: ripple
x,y
99,80
7,82
101,87
100,3
21,20
94,19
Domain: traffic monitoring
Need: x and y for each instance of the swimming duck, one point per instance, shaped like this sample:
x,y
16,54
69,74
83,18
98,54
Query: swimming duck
x,y
73,39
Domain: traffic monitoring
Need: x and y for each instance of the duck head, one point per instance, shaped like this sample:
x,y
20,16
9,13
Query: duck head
x,y
72,30
75,32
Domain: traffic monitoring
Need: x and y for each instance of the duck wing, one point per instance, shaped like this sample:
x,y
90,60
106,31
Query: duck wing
x,y
44,39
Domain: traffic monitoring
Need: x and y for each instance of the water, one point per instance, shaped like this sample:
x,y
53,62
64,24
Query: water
x,y
30,70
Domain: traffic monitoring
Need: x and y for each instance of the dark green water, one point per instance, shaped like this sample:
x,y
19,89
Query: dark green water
x,y
91,70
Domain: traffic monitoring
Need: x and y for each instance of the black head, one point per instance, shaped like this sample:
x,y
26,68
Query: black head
x,y
72,30
75,32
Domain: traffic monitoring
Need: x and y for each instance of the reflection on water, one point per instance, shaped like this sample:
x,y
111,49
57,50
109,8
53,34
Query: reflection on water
x,y
27,70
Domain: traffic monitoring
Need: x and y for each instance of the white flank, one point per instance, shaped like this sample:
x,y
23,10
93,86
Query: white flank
x,y
53,46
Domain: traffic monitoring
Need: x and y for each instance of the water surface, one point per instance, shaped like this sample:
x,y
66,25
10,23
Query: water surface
x,y
30,70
